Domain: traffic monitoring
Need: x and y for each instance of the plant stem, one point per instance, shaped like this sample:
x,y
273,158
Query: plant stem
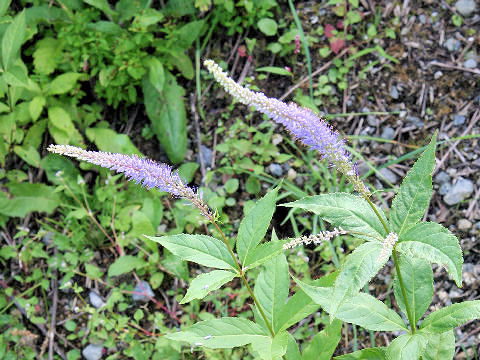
x,y
397,269
242,274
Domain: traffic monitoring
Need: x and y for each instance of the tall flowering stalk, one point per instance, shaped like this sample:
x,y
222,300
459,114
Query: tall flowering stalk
x,y
141,170
302,123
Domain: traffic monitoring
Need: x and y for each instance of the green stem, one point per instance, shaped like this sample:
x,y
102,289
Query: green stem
x,y
397,268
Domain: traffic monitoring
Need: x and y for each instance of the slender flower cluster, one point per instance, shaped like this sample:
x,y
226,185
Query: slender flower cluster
x,y
387,248
143,171
316,239
302,123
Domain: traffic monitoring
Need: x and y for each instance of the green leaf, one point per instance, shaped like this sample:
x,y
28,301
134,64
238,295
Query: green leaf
x,y
271,288
324,343
293,352
16,76
108,140
407,347
156,74
4,5
275,70
205,283
450,317
377,353
413,197
13,39
417,277
359,267
268,348
166,111
267,26
347,211
184,37
187,170
440,346
221,333
103,6
28,154
263,253
63,83
46,55
36,106
436,244
183,63
23,198
254,225
60,125
200,249
125,264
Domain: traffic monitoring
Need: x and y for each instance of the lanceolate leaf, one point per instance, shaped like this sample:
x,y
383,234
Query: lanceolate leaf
x,y
293,352
344,210
205,283
407,347
440,346
268,348
436,244
200,249
125,264
411,201
255,224
263,253
417,276
271,288
221,333
324,343
360,266
378,353
12,40
23,198
450,317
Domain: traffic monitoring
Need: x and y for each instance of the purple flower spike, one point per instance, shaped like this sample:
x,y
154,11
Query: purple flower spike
x,y
302,123
143,171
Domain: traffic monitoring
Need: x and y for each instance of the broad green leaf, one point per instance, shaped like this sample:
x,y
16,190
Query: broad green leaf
x,y
183,63
263,253
13,39
267,26
205,283
166,111
293,352
254,225
104,6
377,353
186,35
60,125
221,333
108,140
63,83
440,346
107,28
268,348
350,212
271,288
201,249
125,264
34,135
28,154
436,244
275,70
47,55
358,269
417,276
324,343
23,198
156,74
146,18
362,309
413,197
450,317
4,5
407,347
4,108
16,76
36,106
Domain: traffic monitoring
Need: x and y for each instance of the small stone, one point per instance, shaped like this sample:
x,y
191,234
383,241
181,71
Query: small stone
x,y
388,174
464,225
286,166
394,92
415,120
470,64
275,169
371,120
277,139
299,180
452,44
292,174
441,178
455,293
388,133
139,291
465,7
459,120
422,18
95,300
460,191
93,352
438,74
445,188
207,155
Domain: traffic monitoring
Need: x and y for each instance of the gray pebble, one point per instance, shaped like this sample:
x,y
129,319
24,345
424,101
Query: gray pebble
x,y
388,133
286,166
461,190
470,64
464,225
438,74
459,120
415,120
441,178
275,169
445,188
145,287
452,44
299,180
95,300
465,7
207,154
388,174
371,120
394,92
93,352
422,18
